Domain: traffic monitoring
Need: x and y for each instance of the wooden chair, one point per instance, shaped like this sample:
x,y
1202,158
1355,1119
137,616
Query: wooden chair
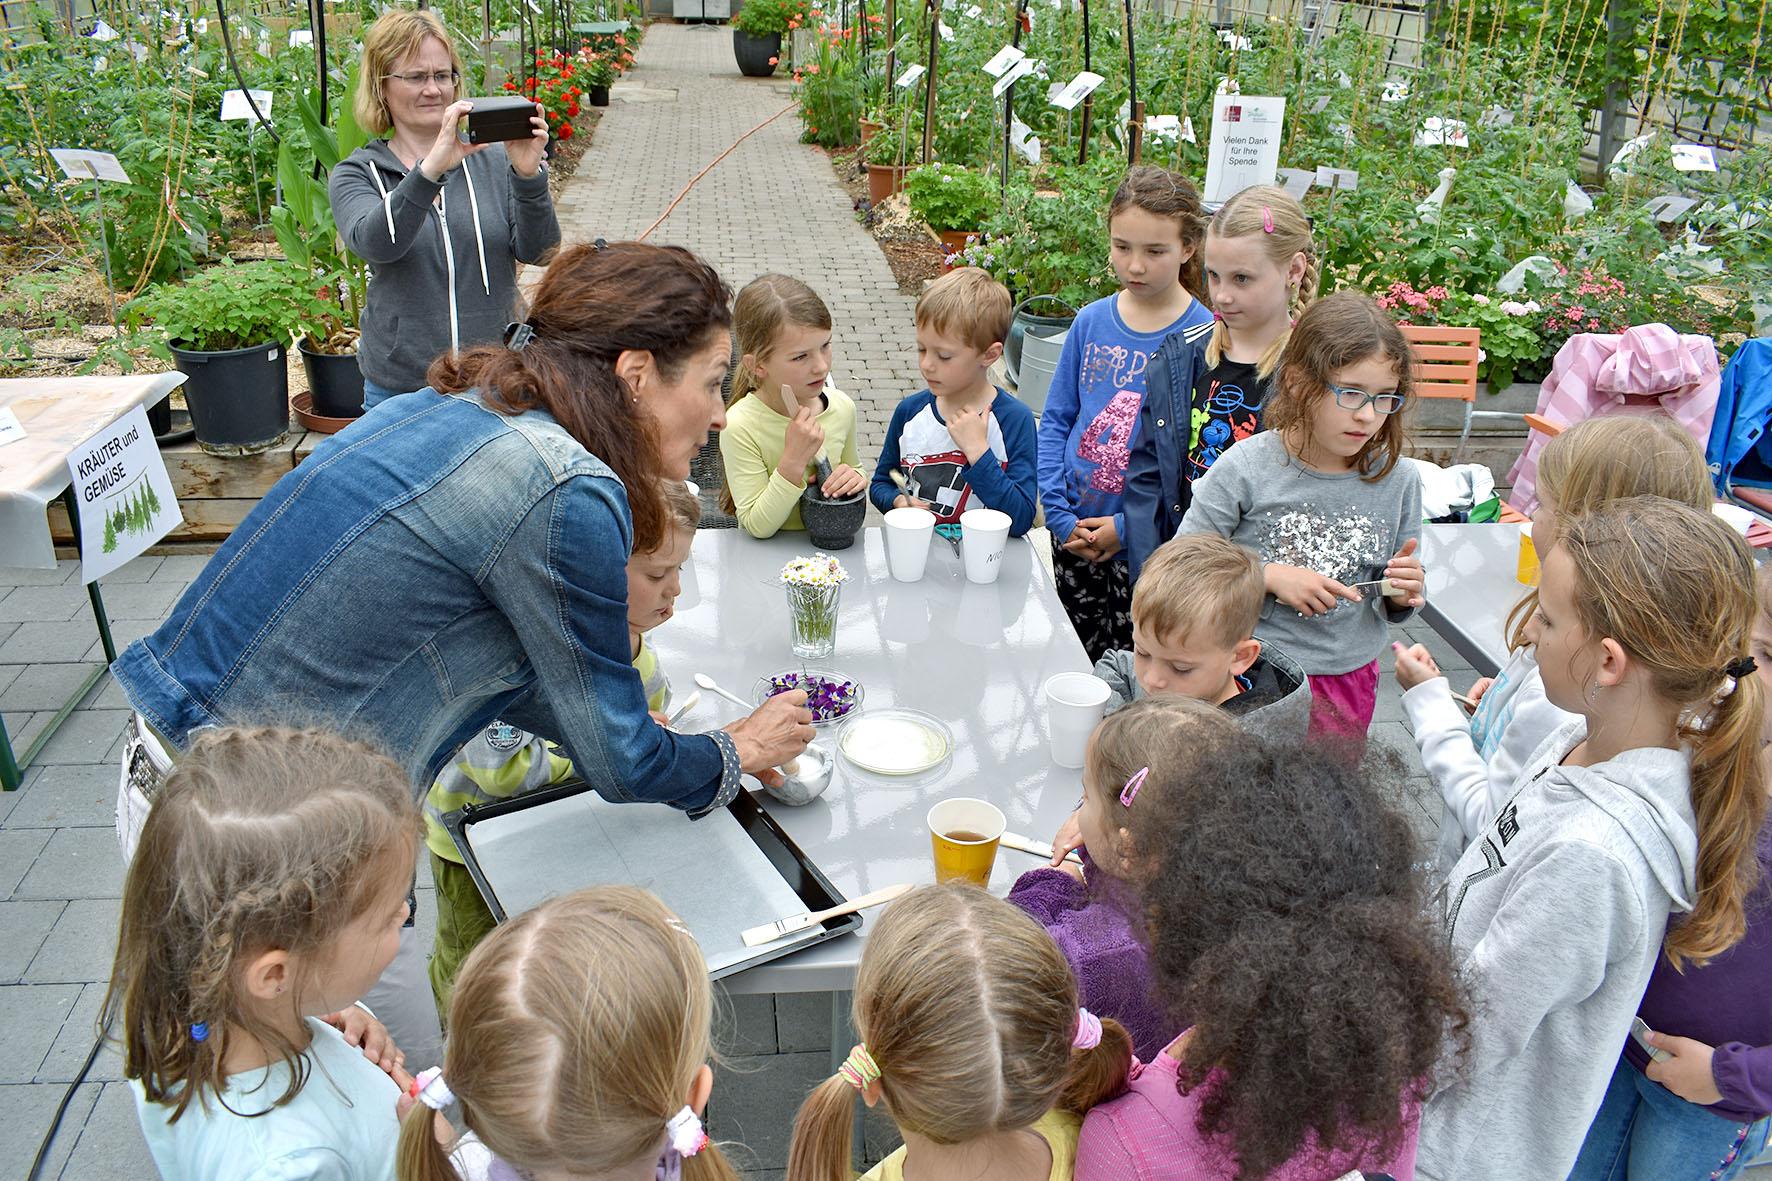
x,y
1446,367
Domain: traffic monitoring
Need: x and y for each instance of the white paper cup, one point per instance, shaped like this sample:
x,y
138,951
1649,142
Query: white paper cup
x,y
908,531
963,835
1739,519
983,534
1075,703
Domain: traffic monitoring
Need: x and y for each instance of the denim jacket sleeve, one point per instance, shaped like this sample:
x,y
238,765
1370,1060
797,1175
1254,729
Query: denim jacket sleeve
x,y
561,581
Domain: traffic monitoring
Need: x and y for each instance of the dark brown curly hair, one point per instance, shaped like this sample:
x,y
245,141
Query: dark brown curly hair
x,y
1290,924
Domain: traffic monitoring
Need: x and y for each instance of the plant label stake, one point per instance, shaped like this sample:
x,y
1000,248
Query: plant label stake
x,y
1005,57
80,164
1076,90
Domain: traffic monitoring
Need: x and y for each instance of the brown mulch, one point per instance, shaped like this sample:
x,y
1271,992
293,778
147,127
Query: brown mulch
x,y
913,254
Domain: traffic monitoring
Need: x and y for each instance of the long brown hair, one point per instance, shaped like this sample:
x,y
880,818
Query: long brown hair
x,y
261,839
1273,217
1599,460
1674,586
1335,332
576,1031
592,305
765,306
1169,194
969,1009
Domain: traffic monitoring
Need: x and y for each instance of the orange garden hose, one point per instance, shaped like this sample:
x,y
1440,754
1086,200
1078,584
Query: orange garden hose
x,y
710,167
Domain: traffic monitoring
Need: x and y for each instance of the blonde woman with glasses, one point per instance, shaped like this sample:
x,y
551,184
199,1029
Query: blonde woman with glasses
x,y
441,222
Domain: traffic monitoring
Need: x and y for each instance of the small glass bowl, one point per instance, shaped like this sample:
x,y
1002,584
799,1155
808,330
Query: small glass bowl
x,y
790,678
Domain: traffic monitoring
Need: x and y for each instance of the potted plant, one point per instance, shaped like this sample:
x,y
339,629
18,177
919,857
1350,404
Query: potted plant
x,y
757,31
226,329
885,174
953,201
599,75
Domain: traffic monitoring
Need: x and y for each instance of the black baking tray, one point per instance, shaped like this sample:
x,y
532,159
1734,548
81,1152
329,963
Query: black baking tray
x,y
797,870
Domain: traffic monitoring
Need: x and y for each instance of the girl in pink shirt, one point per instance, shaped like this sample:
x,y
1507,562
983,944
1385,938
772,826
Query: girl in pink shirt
x,y
1288,923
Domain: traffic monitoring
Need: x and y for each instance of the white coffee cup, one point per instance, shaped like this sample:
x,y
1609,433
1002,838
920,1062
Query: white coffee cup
x,y
983,534
1075,703
908,531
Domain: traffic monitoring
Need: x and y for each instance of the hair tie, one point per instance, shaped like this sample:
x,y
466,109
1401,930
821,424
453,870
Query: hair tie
x,y
860,1070
1130,791
430,1089
1088,1035
200,1031
599,245
1740,668
1267,220
518,335
686,1133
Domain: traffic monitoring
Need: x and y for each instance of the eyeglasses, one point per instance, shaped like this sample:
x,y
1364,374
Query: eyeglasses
x,y
1349,398
444,79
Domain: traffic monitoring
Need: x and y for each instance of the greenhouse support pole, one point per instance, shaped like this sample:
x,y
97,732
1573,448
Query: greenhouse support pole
x,y
317,23
1135,131
891,41
1088,99
1009,95
485,35
934,7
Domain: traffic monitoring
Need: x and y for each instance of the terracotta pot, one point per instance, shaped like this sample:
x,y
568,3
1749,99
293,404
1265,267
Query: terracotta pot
x,y
884,180
868,129
952,242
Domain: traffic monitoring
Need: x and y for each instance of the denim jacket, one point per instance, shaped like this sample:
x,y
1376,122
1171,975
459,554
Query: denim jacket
x,y
1157,492
432,568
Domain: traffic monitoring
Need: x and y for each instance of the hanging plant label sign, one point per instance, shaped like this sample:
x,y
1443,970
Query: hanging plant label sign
x,y
1076,90
1319,104
973,11
1669,207
1437,132
1012,75
1395,91
1244,148
234,105
103,32
1695,158
125,495
1005,57
910,76
1163,127
1187,129
1024,140
300,37
1297,181
1235,40
1338,178
947,34
1496,117
80,164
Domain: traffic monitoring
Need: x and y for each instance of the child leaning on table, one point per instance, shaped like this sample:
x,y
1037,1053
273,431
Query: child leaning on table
x,y
972,1038
1132,762
502,761
962,443
1474,759
1321,497
784,415
1194,613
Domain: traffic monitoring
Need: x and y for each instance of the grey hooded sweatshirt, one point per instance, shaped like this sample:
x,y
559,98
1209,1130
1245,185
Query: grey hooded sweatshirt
x,y
1276,702
442,256
1558,912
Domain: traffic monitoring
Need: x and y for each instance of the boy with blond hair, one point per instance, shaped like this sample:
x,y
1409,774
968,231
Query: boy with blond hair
x,y
961,443
1194,611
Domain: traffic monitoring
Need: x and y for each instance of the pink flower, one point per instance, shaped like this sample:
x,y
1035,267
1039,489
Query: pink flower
x,y
773,60
1437,292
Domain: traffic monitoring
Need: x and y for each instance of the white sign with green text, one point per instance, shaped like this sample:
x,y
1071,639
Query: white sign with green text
x,y
125,496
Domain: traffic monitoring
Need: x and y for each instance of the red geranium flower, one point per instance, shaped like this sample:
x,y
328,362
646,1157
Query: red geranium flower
x,y
565,131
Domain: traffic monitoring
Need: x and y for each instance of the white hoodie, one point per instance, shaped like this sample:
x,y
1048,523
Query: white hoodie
x,y
1557,915
1475,762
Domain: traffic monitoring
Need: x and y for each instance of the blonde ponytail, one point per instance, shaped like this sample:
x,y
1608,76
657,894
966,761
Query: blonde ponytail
x,y
420,1156
823,1144
1729,803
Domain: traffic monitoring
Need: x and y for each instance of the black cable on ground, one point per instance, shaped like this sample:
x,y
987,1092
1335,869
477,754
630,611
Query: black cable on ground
x,y
61,1108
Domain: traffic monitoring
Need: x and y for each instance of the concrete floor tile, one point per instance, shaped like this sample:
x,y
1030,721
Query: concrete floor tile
x,y
181,567
76,863
67,795
28,1109
136,570
43,686
23,928
19,849
110,695
141,600
111,1144
21,576
34,1015
755,1100
36,643
23,727
43,604
85,737
81,945
743,1025
124,632
9,673
67,1054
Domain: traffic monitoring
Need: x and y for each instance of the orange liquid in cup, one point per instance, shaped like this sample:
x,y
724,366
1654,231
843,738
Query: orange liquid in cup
x,y
963,835
1526,570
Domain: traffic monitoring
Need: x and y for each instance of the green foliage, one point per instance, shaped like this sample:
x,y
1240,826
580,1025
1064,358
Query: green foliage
x,y
1052,241
949,197
233,306
303,222
760,18
830,90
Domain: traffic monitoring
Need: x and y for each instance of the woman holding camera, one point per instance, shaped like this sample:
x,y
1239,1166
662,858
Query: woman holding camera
x,y
431,213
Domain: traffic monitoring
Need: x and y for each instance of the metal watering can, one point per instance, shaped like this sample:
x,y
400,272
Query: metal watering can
x,y
1031,352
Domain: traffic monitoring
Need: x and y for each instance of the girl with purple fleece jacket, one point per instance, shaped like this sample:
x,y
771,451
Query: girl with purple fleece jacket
x,y
1092,912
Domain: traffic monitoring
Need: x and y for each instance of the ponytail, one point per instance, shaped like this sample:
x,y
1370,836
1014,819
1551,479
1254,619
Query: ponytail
x,y
823,1134
420,1155
1099,1073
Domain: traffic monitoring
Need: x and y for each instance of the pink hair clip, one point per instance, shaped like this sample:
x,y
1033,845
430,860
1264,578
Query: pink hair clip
x,y
1130,791
1267,220
1088,1035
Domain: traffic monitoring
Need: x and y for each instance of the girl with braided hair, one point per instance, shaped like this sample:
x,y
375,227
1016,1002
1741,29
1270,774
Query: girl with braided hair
x,y
266,896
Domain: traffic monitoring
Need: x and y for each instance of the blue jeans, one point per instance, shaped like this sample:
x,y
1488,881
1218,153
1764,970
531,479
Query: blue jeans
x,y
373,394
1645,1132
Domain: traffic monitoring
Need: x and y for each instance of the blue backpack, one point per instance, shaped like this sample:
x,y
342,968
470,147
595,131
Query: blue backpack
x,y
1740,449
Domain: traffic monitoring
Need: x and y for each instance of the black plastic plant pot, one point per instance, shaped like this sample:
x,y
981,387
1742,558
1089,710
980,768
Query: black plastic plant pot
x,y
335,381
833,524
599,95
757,53
239,399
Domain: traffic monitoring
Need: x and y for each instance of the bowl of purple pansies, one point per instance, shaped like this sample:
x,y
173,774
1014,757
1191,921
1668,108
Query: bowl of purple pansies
x,y
831,696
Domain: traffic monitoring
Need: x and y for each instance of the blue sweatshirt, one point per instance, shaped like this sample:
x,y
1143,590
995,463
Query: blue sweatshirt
x,y
917,440
1091,414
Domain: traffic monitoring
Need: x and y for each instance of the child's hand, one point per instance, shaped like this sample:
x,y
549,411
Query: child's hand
x,y
905,500
1081,542
360,1029
1688,1073
1406,575
971,432
804,438
1104,539
1479,688
1068,840
659,716
1415,666
1305,591
845,481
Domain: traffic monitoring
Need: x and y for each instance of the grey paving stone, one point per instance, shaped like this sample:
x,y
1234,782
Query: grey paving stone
x,y
43,686
23,928
743,1025
26,1110
111,1144
76,863
755,1100
803,1021
9,673
142,600
110,695
67,1054
85,737
22,576
27,604
124,632
81,945
23,727
69,795
137,570
39,642
181,567
18,850
34,1015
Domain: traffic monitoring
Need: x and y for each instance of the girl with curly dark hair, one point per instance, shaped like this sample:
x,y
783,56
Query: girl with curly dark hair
x,y
1287,920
